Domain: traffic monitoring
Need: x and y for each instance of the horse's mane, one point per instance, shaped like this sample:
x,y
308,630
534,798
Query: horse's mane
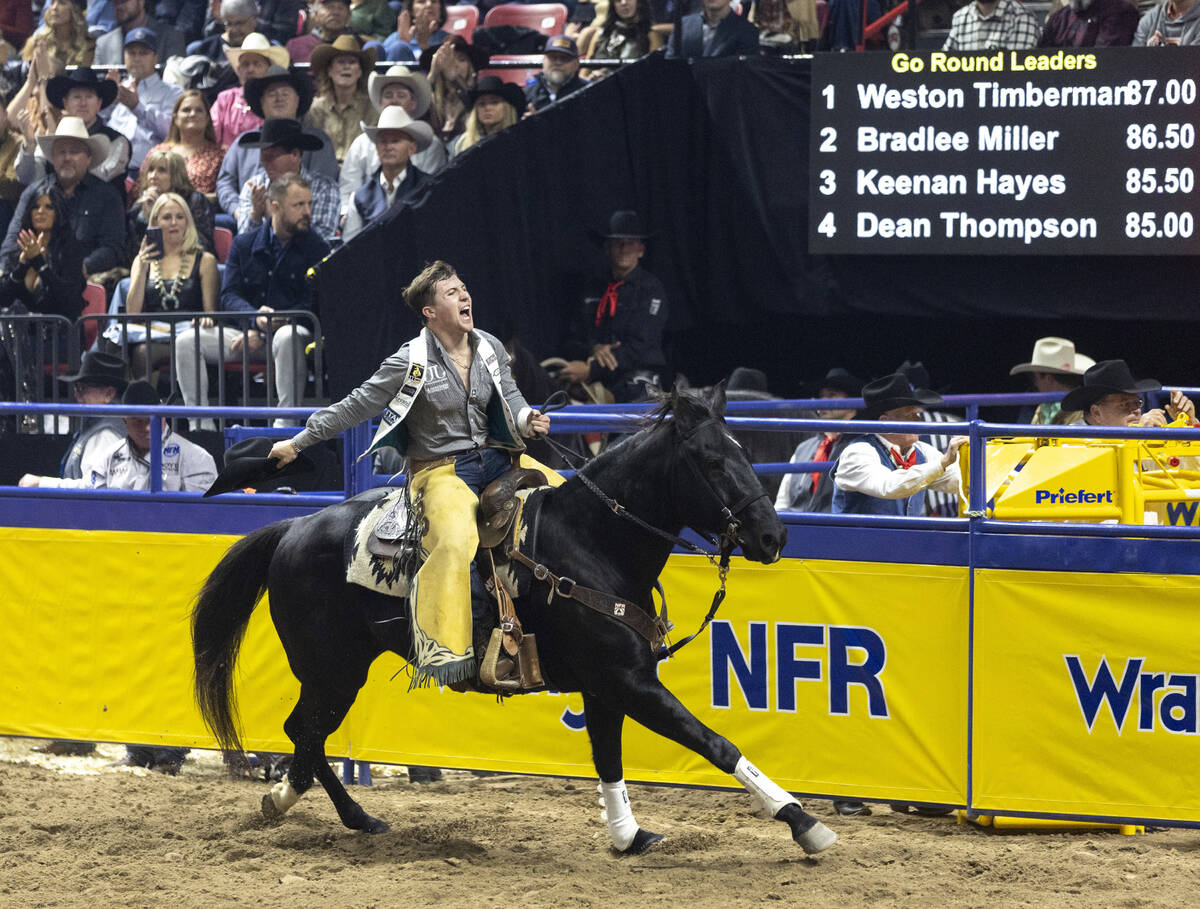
x,y
683,408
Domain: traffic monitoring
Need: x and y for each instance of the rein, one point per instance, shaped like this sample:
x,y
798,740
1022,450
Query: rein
x,y
653,629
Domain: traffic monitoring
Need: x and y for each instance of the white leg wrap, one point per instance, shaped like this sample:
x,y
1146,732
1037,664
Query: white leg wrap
x,y
621,825
283,796
761,787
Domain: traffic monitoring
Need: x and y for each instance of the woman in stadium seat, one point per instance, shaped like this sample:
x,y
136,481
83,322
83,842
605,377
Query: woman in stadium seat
x,y
65,36
182,277
193,138
452,66
342,107
418,28
495,105
624,35
45,272
166,172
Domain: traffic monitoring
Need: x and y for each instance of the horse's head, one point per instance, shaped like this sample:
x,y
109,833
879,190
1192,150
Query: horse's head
x,y
714,486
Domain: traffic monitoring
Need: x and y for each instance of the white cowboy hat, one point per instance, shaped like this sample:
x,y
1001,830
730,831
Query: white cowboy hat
x,y
416,83
73,128
255,43
1054,355
395,117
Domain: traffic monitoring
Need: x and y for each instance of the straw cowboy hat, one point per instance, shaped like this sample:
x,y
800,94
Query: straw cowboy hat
x,y
73,128
343,45
401,75
1054,355
395,117
1108,377
891,392
255,43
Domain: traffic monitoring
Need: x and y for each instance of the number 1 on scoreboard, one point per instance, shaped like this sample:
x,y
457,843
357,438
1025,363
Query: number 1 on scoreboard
x,y
827,91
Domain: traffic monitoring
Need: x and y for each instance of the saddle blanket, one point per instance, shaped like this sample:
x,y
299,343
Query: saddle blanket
x,y
383,575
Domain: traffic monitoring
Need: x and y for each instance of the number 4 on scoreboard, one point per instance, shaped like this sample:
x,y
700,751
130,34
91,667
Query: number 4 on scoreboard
x,y
827,226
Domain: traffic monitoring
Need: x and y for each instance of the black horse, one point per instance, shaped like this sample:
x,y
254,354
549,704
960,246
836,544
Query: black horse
x,y
682,469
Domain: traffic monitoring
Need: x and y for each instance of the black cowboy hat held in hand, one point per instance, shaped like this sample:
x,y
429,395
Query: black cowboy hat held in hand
x,y
246,463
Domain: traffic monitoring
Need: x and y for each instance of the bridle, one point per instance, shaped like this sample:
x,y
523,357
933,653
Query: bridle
x,y
725,540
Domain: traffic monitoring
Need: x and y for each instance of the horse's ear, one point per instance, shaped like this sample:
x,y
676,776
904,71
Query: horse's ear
x,y
716,403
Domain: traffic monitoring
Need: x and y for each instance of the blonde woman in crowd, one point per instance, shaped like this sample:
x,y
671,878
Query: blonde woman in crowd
x,y
65,36
452,66
495,105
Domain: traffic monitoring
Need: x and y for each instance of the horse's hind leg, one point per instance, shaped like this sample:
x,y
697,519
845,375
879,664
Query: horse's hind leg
x,y
314,718
656,708
604,729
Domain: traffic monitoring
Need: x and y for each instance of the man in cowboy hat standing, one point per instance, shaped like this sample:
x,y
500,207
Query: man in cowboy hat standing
x,y
888,473
1110,396
397,139
95,209
397,87
1054,367
132,14
279,95
142,113
616,335
252,59
101,378
79,93
281,144
813,492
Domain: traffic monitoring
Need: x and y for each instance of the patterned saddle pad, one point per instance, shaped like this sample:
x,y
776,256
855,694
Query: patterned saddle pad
x,y
378,573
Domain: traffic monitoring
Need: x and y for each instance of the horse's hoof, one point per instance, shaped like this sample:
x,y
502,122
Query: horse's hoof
x,y
269,811
811,835
374,825
643,842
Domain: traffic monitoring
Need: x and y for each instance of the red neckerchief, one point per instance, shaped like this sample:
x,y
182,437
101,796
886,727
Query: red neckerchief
x,y
609,301
823,455
905,462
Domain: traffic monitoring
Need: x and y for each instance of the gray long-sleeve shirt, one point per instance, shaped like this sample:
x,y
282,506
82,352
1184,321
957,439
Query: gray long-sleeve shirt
x,y
444,418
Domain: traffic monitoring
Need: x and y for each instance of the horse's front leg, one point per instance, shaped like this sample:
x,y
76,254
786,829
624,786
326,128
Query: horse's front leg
x,y
648,701
604,729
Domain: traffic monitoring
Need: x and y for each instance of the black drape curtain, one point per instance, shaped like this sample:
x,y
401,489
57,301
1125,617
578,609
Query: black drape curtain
x,y
714,154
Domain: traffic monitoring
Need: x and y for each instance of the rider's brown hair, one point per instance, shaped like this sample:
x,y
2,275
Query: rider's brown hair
x,y
419,293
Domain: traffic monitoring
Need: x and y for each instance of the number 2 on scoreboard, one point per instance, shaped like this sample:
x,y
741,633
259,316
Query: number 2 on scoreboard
x,y
826,226
829,139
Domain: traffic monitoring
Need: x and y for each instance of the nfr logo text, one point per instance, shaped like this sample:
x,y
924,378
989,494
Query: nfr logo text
x,y
840,656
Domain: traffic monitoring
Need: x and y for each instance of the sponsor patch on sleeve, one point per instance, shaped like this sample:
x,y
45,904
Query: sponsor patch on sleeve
x,y
655,306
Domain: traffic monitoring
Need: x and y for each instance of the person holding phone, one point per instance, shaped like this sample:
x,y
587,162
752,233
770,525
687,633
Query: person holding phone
x,y
166,172
171,273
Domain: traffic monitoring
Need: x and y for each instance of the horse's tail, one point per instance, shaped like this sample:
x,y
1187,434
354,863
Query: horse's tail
x,y
219,621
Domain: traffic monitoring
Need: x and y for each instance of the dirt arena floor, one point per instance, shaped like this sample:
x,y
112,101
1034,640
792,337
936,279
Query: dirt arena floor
x,y
74,832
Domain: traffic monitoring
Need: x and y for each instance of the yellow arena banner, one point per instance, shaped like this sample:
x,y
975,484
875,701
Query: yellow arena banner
x,y
837,678
1085,696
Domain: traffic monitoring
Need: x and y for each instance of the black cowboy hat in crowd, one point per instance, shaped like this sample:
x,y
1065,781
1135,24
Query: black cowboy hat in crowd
x,y
891,392
246,464
477,55
841,380
100,369
141,393
255,88
623,224
1108,377
506,91
84,77
281,131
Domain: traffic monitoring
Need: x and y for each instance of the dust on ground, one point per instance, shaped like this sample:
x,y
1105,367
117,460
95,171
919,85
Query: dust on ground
x,y
76,832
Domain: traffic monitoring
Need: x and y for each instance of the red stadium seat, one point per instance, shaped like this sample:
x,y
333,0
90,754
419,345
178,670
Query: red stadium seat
x,y
95,303
461,20
222,241
548,18
516,76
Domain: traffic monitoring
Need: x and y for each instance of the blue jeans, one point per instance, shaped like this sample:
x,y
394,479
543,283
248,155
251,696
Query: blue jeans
x,y
480,467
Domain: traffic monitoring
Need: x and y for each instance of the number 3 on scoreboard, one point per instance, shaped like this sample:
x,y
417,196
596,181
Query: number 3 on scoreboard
x,y
828,183
826,226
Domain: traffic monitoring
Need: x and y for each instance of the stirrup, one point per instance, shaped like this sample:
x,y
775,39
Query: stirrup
x,y
496,673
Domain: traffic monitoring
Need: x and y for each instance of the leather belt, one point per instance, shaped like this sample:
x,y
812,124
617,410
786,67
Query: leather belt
x,y
415,466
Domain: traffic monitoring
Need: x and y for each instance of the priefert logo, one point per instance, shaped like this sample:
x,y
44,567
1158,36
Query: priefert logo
x,y
1062,497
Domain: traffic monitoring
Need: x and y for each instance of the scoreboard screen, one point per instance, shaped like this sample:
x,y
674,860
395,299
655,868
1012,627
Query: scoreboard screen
x,y
1045,152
